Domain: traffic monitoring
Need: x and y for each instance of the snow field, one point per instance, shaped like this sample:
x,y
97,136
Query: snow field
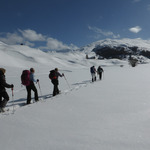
x,y
112,114
108,114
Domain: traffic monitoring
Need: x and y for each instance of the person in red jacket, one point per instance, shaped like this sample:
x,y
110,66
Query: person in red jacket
x,y
4,98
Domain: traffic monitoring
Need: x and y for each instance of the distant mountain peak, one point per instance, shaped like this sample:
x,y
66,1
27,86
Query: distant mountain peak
x,y
119,48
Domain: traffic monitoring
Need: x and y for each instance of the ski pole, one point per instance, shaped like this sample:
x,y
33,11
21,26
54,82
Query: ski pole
x,y
13,99
103,74
40,88
67,81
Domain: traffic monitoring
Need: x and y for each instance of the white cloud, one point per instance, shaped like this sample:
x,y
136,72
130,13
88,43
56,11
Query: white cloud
x,y
135,29
100,32
54,44
22,36
31,35
12,38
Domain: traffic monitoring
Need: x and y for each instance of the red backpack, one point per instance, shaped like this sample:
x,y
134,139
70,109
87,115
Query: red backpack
x,y
25,77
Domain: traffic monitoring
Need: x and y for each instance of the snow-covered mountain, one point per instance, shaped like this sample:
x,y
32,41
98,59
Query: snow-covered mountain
x,y
143,44
23,56
120,49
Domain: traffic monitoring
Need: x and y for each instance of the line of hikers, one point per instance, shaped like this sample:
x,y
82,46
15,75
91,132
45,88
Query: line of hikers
x,y
28,80
93,71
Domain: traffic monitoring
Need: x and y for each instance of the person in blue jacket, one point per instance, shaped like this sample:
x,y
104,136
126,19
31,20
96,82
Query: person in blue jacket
x,y
93,73
32,87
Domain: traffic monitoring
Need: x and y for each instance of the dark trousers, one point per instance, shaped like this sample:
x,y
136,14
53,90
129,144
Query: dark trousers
x,y
33,88
100,75
55,89
5,99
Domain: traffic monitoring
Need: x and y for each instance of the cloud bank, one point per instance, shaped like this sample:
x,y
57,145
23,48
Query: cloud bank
x,y
135,29
30,37
54,44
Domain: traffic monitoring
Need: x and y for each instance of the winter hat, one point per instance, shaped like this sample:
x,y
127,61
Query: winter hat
x,y
3,70
56,69
32,69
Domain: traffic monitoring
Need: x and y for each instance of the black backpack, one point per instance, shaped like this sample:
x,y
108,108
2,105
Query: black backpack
x,y
92,69
99,70
52,74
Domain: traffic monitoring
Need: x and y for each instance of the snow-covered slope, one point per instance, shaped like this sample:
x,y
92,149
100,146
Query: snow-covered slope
x,y
24,56
108,114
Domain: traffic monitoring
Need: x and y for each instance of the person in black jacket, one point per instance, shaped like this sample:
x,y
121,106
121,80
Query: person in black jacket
x,y
55,82
4,98
100,71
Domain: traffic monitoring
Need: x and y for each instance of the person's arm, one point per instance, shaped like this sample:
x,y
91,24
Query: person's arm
x,y
61,75
4,84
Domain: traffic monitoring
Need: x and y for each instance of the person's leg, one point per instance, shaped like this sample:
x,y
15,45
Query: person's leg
x,y
28,94
0,99
35,92
95,77
92,77
55,90
4,100
100,76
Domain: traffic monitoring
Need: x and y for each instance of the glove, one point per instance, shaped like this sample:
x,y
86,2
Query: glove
x,y
12,86
62,74
37,80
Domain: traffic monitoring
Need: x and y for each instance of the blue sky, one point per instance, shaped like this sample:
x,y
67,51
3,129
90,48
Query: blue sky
x,y
61,24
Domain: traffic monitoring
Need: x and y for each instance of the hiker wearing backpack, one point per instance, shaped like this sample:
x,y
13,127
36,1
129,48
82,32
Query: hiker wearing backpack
x,y
28,80
100,71
3,93
93,73
54,74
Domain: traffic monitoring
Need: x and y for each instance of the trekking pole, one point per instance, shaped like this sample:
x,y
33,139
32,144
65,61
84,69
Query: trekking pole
x,y
67,81
13,99
103,74
40,88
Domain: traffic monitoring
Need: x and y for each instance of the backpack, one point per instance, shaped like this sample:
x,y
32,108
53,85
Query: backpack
x,y
52,74
25,77
92,70
99,70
